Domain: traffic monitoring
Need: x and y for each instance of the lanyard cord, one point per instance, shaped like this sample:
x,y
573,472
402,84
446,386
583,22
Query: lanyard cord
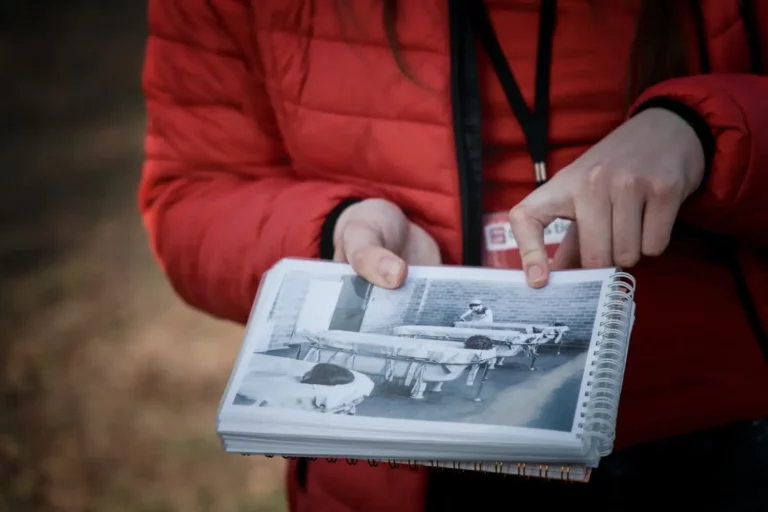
x,y
535,124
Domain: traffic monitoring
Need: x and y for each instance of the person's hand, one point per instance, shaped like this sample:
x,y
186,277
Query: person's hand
x,y
623,195
378,240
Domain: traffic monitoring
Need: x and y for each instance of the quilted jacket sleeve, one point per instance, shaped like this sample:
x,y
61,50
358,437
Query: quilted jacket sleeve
x,y
218,195
734,107
732,199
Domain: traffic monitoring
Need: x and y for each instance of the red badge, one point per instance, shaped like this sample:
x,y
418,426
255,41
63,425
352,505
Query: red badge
x,y
499,244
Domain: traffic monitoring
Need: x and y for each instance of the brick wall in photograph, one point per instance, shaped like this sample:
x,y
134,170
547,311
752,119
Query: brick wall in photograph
x,y
441,302
574,304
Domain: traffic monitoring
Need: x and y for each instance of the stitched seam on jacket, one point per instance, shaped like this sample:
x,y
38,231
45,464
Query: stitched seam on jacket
x,y
351,179
233,55
749,149
362,115
371,44
735,24
748,136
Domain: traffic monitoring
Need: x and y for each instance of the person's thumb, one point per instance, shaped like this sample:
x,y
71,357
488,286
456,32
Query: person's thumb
x,y
361,246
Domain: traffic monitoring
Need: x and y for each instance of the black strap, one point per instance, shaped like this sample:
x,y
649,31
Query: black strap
x,y
748,14
534,123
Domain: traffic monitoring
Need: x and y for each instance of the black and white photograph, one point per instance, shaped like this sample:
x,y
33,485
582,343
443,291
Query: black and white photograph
x,y
488,352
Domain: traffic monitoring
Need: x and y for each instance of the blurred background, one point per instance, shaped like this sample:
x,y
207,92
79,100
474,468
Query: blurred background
x,y
109,384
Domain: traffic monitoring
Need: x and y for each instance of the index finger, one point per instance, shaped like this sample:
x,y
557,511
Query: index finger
x,y
528,220
529,234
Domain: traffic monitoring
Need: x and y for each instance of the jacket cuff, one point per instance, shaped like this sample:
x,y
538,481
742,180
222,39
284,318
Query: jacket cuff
x,y
326,232
694,120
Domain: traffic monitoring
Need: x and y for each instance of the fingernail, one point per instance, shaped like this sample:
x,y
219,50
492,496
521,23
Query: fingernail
x,y
534,273
389,269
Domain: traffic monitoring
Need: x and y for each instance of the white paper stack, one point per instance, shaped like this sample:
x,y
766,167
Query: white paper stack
x,y
460,367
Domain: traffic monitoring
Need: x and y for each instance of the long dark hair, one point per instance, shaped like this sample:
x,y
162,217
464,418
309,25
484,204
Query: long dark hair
x,y
659,51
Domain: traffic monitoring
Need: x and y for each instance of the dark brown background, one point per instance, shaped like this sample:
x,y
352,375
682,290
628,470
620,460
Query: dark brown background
x,y
109,384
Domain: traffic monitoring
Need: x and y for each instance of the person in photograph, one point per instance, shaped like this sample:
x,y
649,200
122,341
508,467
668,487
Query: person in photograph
x,y
477,312
384,133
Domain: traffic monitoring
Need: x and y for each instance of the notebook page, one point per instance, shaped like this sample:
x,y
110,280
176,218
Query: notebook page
x,y
453,350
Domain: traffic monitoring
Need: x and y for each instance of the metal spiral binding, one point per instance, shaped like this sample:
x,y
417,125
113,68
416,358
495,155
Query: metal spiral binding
x,y
602,395
601,403
544,471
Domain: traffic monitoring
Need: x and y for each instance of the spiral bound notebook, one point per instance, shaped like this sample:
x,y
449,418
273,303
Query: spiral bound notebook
x,y
460,368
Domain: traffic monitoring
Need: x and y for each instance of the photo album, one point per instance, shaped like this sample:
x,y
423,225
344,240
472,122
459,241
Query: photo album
x,y
461,367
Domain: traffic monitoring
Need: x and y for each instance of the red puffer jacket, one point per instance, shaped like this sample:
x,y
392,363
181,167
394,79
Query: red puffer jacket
x,y
264,116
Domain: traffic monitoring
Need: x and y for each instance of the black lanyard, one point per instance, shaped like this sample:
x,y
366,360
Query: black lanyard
x,y
535,124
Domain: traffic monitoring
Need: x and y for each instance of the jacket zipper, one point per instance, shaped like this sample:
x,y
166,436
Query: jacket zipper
x,y
730,247
465,104
745,297
467,125
749,19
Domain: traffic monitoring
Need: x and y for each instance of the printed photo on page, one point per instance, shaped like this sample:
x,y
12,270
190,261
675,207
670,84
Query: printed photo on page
x,y
485,352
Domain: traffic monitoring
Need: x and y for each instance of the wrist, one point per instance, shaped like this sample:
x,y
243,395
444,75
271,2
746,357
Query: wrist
x,y
696,122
